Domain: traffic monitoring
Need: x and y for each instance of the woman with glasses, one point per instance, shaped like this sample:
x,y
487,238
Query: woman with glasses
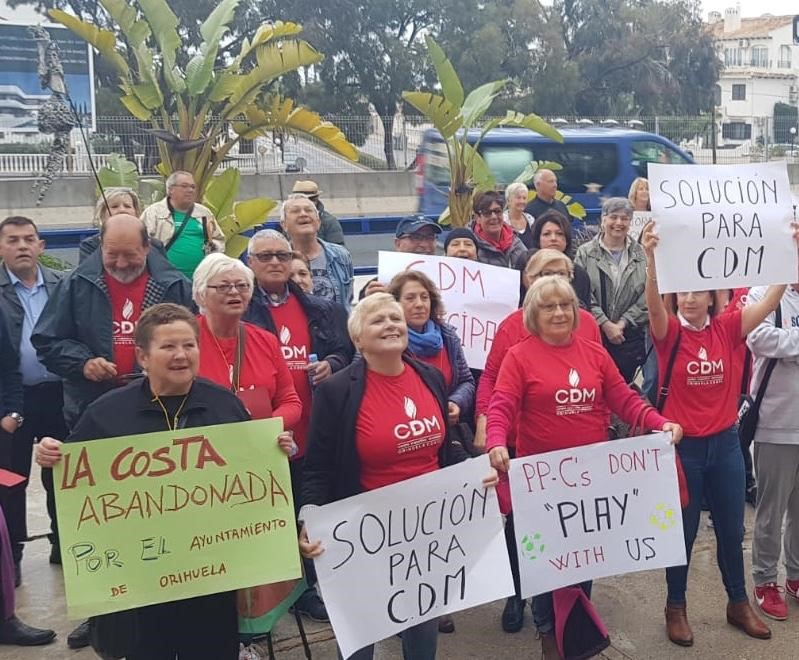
x,y
497,243
238,355
111,202
528,398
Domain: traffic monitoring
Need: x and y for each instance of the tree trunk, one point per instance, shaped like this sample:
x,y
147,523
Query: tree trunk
x,y
388,143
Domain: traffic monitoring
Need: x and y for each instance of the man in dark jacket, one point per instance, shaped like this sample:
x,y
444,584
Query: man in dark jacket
x,y
304,325
330,228
25,287
546,186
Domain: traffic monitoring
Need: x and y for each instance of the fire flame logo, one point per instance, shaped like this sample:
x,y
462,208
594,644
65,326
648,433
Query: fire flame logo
x,y
574,378
410,407
285,335
702,354
127,309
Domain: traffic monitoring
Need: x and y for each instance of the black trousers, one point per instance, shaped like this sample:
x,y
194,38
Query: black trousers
x,y
43,411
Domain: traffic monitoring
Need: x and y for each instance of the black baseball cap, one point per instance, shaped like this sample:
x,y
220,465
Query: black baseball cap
x,y
413,223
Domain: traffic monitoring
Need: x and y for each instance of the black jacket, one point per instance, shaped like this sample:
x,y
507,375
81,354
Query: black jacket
x,y
327,325
332,468
10,377
130,410
9,300
75,325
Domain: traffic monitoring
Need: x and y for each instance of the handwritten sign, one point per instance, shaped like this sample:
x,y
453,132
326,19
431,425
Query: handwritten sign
x,y
597,510
722,226
153,518
639,221
477,297
404,554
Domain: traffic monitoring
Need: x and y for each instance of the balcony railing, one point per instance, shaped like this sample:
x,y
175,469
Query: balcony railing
x,y
784,64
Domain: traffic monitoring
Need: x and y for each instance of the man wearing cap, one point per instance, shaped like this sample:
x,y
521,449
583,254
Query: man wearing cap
x,y
416,234
330,229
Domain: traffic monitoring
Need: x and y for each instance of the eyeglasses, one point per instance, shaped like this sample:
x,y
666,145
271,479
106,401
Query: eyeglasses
x,y
490,212
266,257
420,238
224,289
551,308
187,186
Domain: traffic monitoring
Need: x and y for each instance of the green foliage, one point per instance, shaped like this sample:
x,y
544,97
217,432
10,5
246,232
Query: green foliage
x,y
49,261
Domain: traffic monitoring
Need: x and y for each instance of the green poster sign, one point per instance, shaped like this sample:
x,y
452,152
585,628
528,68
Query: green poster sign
x,y
152,518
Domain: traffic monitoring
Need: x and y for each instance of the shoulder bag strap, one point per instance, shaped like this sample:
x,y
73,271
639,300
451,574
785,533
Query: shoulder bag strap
x,y
761,390
664,388
236,381
603,292
176,234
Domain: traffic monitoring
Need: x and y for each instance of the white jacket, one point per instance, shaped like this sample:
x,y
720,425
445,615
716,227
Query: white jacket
x,y
779,412
158,220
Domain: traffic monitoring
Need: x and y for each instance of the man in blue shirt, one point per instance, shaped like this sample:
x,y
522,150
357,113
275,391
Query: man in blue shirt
x,y
25,286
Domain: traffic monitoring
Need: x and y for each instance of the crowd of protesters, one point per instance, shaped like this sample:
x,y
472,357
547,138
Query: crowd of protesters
x,y
158,329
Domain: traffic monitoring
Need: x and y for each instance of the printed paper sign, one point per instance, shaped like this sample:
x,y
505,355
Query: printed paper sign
x,y
477,297
639,221
722,226
598,510
153,518
404,554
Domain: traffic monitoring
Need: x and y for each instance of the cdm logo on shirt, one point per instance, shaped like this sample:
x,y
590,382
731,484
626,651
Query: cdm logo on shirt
x,y
125,327
291,352
574,399
415,428
704,371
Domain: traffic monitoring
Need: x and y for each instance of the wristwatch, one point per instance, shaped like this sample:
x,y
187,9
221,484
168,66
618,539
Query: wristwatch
x,y
19,419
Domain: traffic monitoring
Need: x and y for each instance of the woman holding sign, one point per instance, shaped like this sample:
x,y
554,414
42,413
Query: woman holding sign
x,y
696,348
169,397
556,390
361,439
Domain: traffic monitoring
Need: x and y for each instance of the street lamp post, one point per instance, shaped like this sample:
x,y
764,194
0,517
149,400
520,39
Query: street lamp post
x,y
792,131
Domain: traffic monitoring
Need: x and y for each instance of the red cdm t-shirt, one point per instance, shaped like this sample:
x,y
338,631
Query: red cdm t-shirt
x,y
294,337
705,383
126,302
441,362
265,386
564,393
399,429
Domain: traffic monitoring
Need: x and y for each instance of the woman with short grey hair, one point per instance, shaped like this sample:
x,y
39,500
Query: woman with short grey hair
x,y
515,202
616,266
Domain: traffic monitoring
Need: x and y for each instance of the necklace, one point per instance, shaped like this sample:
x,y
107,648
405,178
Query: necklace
x,y
231,370
174,423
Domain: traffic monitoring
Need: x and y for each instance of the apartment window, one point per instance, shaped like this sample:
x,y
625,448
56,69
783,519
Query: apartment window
x,y
733,57
785,58
760,56
739,92
736,131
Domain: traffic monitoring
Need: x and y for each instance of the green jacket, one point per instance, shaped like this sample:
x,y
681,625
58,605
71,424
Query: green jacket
x,y
627,301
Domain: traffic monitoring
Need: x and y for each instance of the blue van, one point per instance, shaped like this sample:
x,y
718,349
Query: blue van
x,y
597,162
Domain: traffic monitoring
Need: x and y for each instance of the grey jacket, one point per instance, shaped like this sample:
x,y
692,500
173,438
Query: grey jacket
x,y
9,301
627,301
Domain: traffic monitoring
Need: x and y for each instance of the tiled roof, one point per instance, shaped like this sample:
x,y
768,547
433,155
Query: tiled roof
x,y
750,27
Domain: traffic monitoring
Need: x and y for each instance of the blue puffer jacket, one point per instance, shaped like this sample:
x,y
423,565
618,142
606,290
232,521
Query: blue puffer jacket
x,y
462,389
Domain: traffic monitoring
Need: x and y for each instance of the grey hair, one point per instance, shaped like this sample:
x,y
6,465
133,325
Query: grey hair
x,y
368,305
110,195
210,267
267,235
539,173
293,197
616,204
539,292
514,189
172,179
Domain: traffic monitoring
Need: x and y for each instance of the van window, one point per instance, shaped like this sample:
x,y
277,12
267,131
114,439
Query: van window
x,y
583,164
436,164
647,151
506,161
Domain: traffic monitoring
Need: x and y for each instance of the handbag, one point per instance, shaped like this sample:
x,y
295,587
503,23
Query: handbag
x,y
663,393
631,353
749,409
115,635
579,632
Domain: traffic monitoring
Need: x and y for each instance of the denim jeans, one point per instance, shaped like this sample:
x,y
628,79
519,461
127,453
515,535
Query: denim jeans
x,y
544,612
418,643
714,467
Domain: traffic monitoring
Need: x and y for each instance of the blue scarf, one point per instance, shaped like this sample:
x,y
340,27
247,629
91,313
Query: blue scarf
x,y
426,343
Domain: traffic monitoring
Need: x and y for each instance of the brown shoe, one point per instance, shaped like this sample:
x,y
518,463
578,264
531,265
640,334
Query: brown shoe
x,y
677,626
446,624
741,615
549,647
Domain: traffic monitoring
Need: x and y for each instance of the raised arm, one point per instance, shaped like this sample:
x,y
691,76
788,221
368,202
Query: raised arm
x,y
658,316
753,315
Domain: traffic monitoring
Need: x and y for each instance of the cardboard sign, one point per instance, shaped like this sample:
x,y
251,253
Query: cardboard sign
x,y
153,518
404,554
602,509
639,221
722,226
477,297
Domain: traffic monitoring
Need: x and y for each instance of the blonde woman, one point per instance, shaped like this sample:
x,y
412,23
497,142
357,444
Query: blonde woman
x,y
515,202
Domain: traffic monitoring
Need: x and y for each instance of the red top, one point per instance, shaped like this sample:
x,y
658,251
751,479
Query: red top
x,y
295,344
738,302
126,301
441,362
399,429
561,397
704,388
265,386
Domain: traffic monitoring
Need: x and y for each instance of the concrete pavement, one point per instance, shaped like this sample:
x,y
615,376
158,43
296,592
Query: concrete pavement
x,y
631,606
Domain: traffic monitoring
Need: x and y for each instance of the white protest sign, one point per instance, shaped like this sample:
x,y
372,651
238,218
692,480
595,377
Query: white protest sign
x,y
722,226
477,297
640,218
404,554
597,510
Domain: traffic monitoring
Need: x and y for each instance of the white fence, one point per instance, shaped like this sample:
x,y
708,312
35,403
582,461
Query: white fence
x,y
35,164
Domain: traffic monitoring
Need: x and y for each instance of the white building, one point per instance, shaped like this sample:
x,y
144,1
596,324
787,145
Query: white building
x,y
761,68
